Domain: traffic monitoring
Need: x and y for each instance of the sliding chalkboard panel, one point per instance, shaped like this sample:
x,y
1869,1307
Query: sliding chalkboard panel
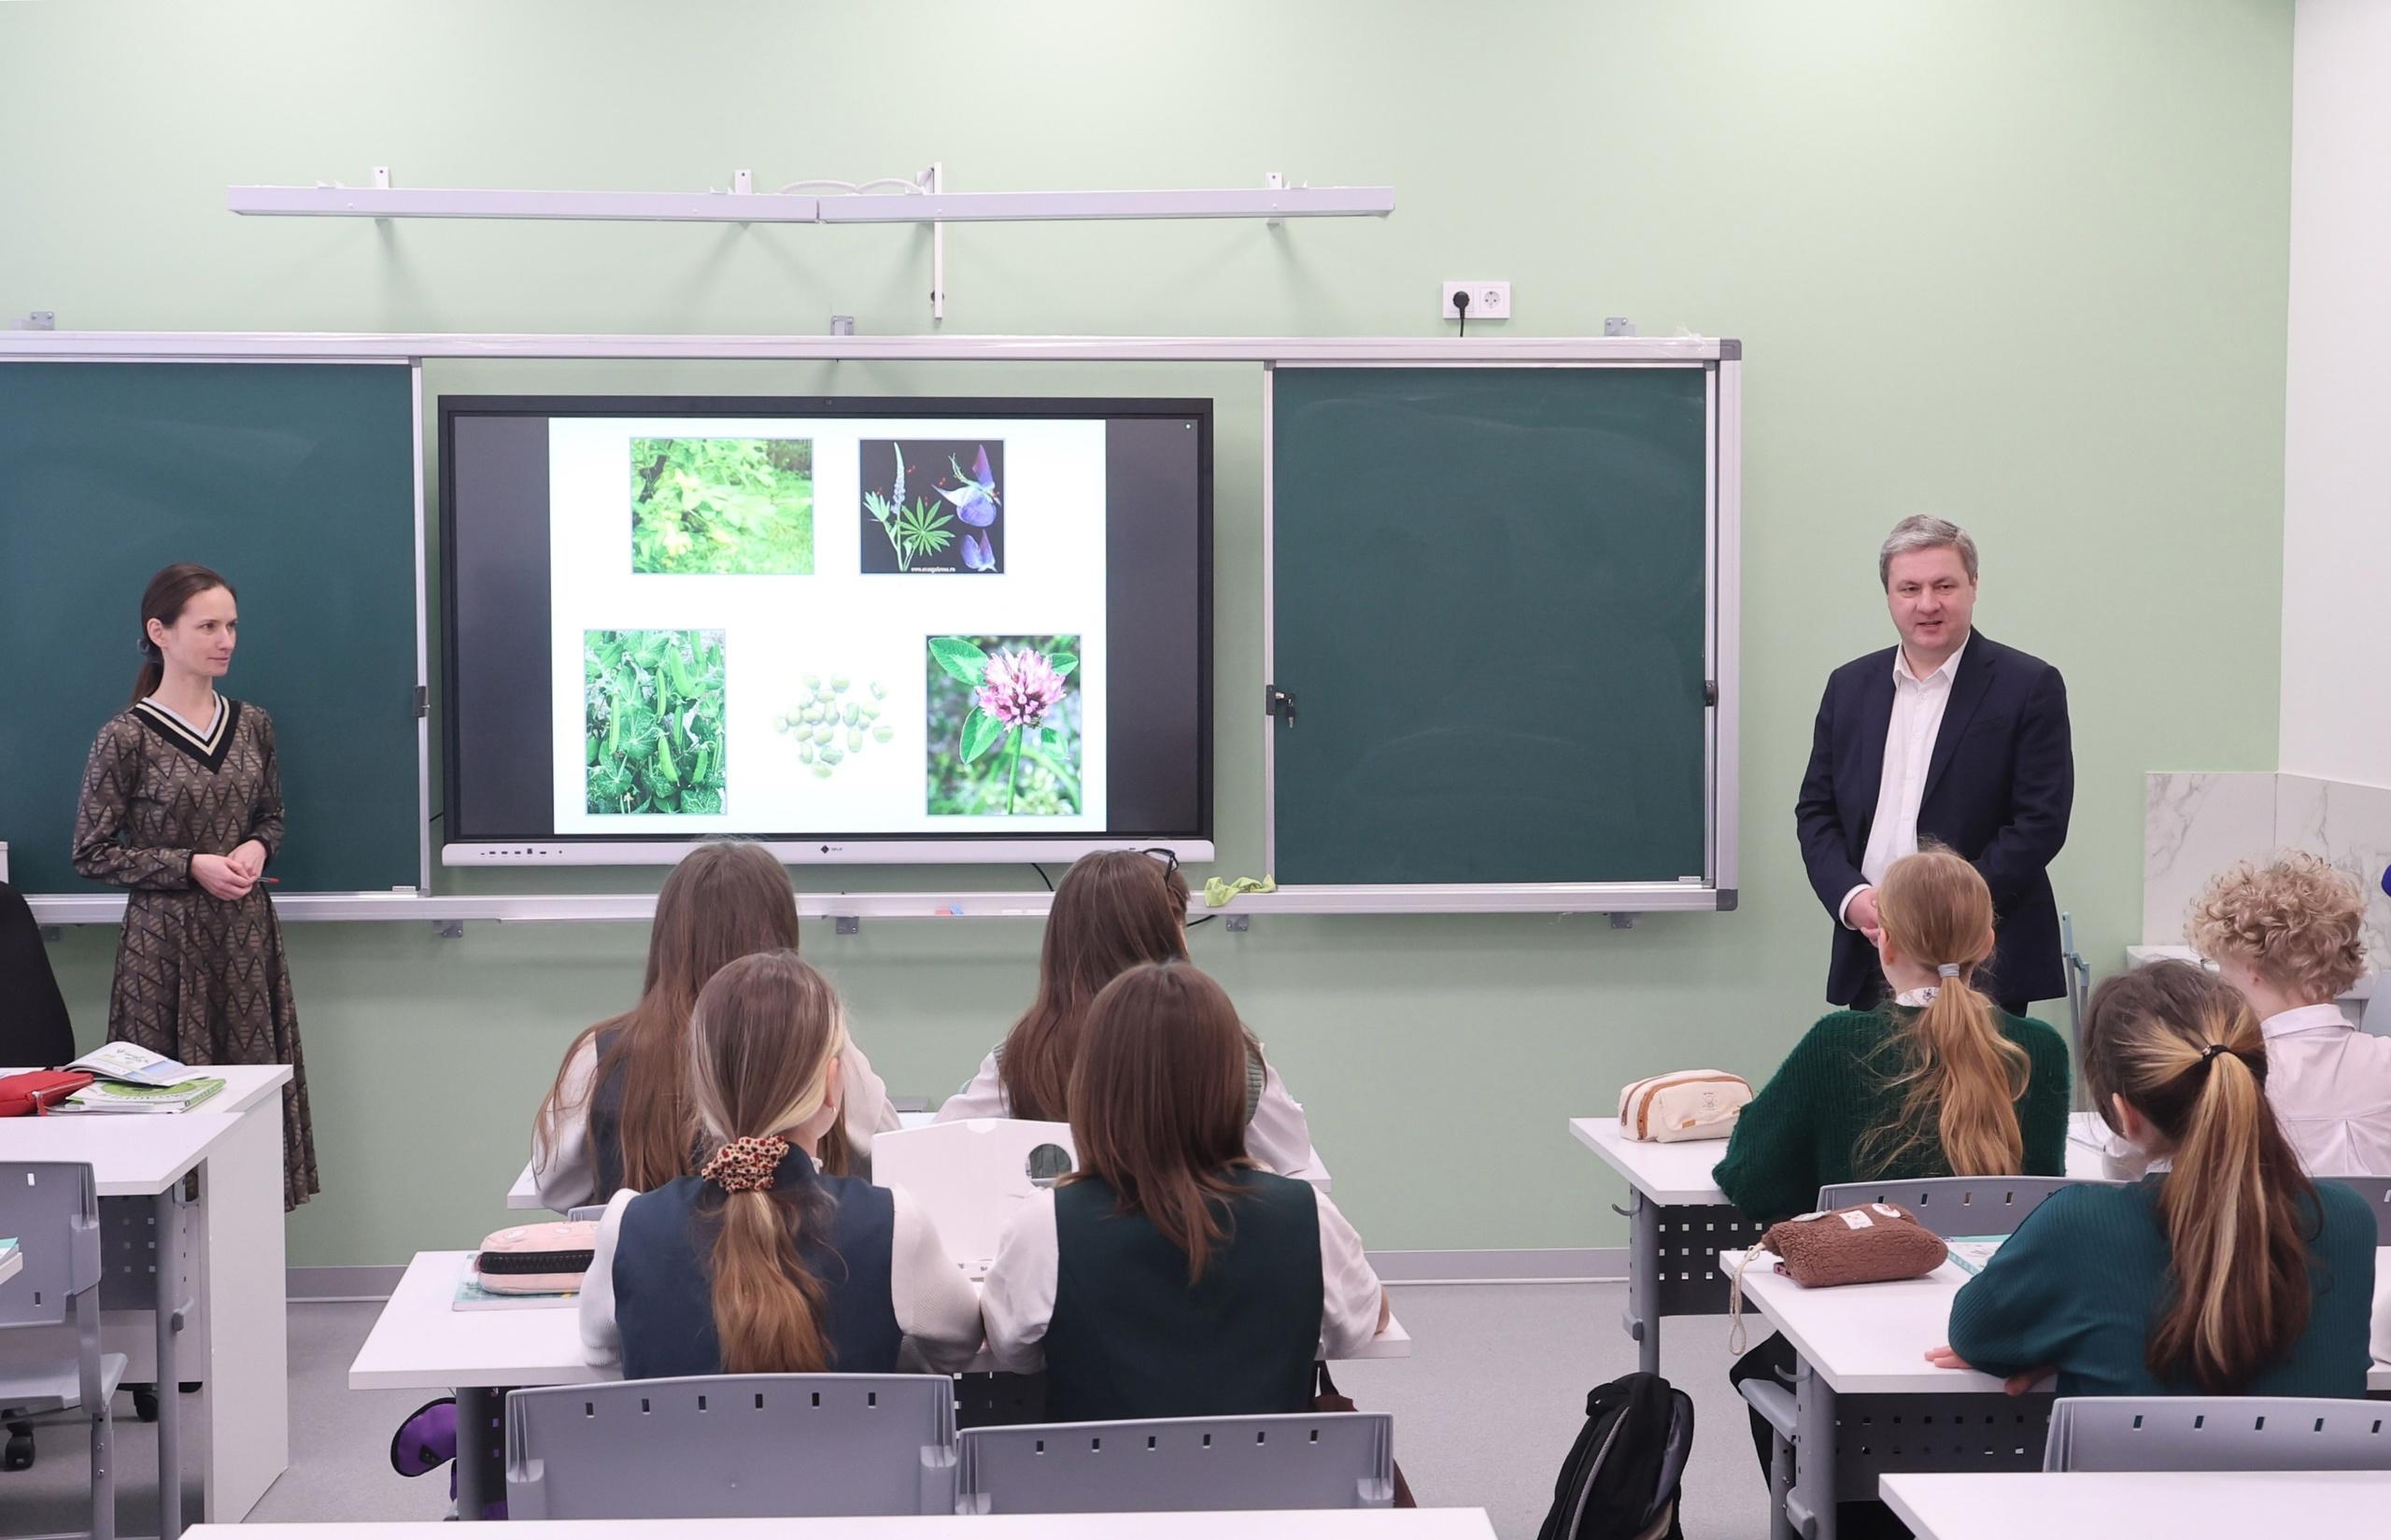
x,y
296,481
1490,604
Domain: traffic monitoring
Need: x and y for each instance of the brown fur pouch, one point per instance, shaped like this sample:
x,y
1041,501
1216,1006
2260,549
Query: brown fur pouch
x,y
1871,1243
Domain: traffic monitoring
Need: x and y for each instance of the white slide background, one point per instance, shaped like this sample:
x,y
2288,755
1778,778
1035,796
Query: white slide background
x,y
839,621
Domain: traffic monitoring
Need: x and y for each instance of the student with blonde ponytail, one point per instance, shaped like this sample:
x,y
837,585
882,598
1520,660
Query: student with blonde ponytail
x,y
761,1263
2229,1274
1936,1081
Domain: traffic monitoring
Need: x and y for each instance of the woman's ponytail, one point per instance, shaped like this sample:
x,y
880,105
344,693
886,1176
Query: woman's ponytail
x,y
1962,1076
767,1306
2182,1048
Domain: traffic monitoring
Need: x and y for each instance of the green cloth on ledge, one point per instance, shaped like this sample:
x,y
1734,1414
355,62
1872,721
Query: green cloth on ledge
x,y
1799,1133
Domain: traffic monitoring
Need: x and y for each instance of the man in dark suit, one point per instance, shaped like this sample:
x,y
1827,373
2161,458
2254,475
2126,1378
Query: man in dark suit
x,y
1950,737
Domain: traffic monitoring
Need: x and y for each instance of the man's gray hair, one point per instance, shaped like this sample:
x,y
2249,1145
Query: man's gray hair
x,y
1924,532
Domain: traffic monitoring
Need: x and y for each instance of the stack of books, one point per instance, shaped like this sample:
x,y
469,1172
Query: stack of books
x,y
134,1079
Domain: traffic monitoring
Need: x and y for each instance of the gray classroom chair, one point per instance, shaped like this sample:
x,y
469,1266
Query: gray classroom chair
x,y
53,1210
1954,1205
1309,1459
734,1446
593,1213
2376,1191
2217,1433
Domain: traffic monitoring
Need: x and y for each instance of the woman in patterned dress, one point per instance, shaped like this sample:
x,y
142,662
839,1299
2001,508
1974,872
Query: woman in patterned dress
x,y
182,805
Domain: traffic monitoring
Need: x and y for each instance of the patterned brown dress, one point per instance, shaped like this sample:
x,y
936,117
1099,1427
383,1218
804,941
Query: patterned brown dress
x,y
198,978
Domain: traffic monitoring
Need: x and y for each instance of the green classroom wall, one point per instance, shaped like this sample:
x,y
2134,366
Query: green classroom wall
x,y
2024,264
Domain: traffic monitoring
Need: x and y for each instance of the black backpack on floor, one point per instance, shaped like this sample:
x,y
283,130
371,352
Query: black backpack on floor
x,y
1624,1474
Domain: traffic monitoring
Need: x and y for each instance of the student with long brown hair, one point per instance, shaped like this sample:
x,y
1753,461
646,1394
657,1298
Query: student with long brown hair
x,y
761,1262
1936,1081
2229,1274
1113,910
1170,1276
618,1114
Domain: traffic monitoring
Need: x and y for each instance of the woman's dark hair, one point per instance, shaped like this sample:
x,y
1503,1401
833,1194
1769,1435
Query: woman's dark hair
x,y
2182,1048
163,602
1113,910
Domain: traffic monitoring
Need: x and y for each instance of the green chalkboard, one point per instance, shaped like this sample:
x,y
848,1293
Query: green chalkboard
x,y
1489,604
297,483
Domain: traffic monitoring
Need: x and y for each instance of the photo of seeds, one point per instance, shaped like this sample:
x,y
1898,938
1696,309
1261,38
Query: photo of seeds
x,y
1004,725
955,519
833,721
652,716
722,506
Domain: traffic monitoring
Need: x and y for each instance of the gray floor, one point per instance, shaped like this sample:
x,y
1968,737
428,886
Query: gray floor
x,y
1484,1410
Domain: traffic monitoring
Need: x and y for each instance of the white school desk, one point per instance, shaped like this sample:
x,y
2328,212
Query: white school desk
x,y
421,1342
228,1297
1861,1370
1678,1221
2179,1504
525,1193
1282,1524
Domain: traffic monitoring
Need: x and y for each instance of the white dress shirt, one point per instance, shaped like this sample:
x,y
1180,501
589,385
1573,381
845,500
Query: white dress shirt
x,y
1278,1138
2331,1087
1018,1303
1909,749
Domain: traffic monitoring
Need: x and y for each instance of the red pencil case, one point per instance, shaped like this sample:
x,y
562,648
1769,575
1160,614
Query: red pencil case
x,y
37,1091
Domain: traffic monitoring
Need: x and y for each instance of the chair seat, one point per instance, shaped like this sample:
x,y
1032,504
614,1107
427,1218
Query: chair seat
x,y
31,1390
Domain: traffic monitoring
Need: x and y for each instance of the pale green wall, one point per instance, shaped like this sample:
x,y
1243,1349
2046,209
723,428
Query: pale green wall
x,y
2020,262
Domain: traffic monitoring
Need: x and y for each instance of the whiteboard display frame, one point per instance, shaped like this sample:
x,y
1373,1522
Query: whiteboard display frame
x,y
1723,502
1721,357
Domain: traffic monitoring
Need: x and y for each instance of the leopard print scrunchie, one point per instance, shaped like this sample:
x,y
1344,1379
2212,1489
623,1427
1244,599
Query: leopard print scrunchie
x,y
745,1166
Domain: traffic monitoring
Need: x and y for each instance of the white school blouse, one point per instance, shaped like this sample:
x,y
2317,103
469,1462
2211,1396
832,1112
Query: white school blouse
x,y
1017,1303
566,1173
2331,1087
936,1307
1278,1138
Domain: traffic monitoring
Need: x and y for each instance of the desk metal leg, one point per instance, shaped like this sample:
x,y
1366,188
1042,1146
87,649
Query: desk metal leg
x,y
1642,1318
169,1313
1811,1504
477,1412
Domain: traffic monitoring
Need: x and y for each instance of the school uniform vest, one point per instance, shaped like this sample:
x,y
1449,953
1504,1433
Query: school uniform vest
x,y
606,1119
664,1281
1129,1338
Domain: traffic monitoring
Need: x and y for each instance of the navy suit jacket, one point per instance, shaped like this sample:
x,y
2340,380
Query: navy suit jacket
x,y
1998,791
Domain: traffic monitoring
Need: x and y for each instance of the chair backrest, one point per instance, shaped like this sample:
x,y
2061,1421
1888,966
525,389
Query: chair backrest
x,y
592,1212
52,1210
1316,1460
734,1446
2217,1433
1953,1205
2376,1191
970,1175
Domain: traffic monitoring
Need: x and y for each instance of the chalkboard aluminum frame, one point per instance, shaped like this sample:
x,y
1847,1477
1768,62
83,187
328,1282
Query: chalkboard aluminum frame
x,y
450,909
1722,369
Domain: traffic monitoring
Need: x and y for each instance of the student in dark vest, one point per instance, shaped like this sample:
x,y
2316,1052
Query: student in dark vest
x,y
618,1112
1935,1081
1113,910
2229,1274
1170,1276
761,1264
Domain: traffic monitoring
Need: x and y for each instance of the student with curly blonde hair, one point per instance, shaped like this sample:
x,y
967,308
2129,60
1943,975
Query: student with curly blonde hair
x,y
2286,936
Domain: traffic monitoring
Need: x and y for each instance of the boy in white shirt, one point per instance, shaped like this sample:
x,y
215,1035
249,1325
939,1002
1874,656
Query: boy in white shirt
x,y
2286,936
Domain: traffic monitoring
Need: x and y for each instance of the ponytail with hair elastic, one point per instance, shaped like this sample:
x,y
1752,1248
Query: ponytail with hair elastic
x,y
2184,1050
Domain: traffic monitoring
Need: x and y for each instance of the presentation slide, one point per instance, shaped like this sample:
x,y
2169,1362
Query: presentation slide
x,y
887,625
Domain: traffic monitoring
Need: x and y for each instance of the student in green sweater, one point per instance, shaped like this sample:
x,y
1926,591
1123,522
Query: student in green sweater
x,y
2230,1274
1934,1083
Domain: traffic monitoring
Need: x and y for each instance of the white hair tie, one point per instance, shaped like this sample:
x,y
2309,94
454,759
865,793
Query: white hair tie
x,y
1948,971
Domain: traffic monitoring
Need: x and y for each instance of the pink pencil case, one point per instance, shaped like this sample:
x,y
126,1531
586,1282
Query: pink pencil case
x,y
537,1259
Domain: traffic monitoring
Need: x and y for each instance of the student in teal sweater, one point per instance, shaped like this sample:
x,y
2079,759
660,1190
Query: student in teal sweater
x,y
1936,1083
2231,1274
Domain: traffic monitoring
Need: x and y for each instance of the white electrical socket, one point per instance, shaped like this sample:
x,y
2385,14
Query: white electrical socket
x,y
1489,299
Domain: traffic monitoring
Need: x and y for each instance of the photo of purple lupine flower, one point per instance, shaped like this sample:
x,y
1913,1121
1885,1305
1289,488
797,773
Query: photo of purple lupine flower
x,y
924,513
1003,725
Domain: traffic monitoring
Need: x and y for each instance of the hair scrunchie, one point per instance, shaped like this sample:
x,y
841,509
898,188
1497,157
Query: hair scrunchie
x,y
745,1166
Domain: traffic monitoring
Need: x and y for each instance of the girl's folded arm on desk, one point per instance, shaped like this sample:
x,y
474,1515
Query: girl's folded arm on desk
x,y
1769,1170
934,1303
1017,1303
602,1338
1352,1302
2021,1312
